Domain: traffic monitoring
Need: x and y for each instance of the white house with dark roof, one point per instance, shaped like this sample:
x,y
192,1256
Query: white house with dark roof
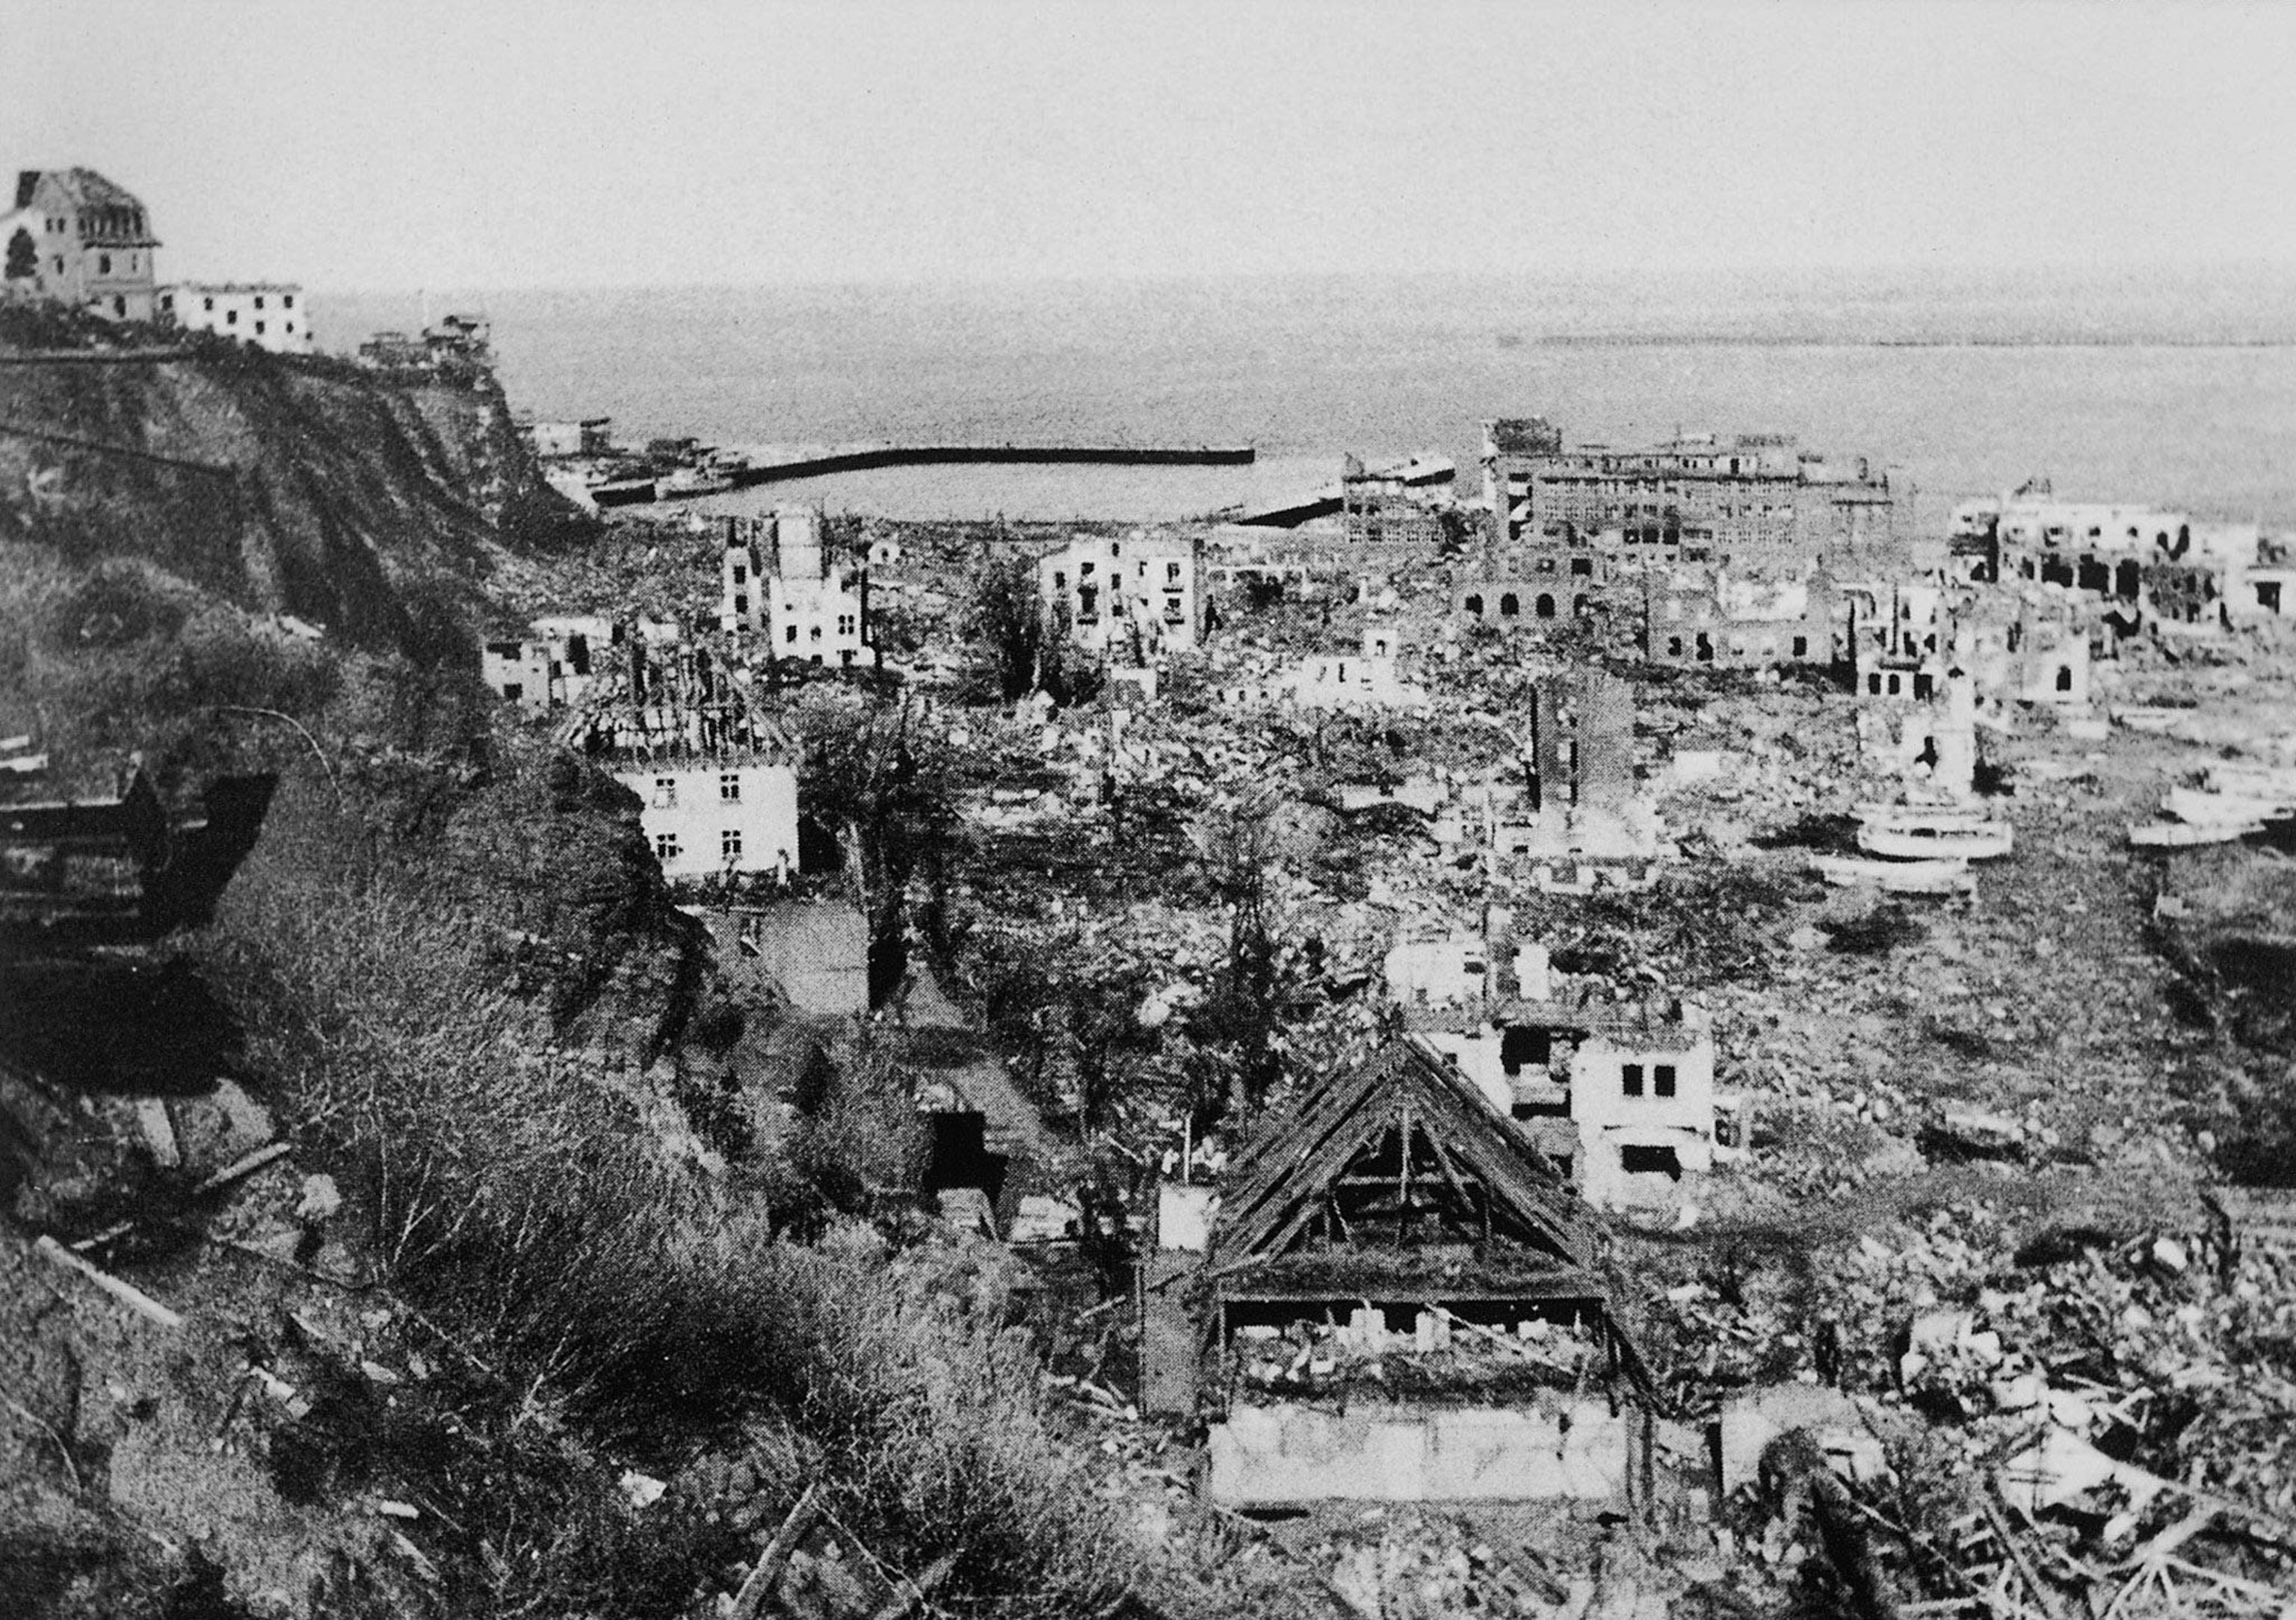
x,y
91,243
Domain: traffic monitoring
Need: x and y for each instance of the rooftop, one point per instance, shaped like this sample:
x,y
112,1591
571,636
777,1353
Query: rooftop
x,y
118,217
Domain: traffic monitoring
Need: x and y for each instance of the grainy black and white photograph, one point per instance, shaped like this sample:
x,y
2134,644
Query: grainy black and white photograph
x,y
1015,809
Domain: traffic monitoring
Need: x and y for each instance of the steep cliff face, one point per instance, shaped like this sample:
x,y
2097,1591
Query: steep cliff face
x,y
450,957
372,507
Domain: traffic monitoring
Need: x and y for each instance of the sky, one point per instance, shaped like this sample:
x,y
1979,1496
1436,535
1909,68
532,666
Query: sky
x,y
388,144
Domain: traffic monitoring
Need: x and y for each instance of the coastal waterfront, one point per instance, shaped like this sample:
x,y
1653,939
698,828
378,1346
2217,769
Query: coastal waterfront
x,y
2185,399
1161,813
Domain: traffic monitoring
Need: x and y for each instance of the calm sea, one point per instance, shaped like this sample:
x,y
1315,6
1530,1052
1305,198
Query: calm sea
x,y
2177,388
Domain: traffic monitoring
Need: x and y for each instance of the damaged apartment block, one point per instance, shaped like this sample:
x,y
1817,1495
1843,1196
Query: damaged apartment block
x,y
1130,598
1618,1096
1397,1297
778,582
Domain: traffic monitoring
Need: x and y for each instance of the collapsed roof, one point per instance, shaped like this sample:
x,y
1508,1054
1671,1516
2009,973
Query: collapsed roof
x,y
1396,1153
1396,1179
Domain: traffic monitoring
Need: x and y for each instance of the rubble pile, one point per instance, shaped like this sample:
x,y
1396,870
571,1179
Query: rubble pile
x,y
1442,1355
1955,1329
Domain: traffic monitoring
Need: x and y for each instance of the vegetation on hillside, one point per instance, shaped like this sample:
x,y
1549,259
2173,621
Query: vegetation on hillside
x,y
462,992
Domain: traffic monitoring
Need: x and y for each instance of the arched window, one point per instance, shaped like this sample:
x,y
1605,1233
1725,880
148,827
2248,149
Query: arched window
x,y
1544,606
1474,605
1509,607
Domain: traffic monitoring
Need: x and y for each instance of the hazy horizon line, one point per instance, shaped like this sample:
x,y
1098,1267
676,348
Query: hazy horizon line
x,y
2148,272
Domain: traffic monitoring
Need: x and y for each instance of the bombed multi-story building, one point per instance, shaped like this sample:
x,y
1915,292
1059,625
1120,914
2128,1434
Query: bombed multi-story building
x,y
1619,1095
1384,508
1140,593
1696,617
716,775
2141,562
777,580
1754,503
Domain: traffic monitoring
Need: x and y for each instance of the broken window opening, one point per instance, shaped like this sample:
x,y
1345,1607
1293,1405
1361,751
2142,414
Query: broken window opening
x,y
1650,1161
1522,1047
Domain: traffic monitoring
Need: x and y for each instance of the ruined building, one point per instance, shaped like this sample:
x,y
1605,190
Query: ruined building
x,y
1757,504
716,776
1132,596
2141,564
1383,508
1618,1096
1571,815
1397,1295
1699,617
778,583
554,664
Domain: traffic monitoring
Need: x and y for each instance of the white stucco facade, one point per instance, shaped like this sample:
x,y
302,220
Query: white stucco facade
x,y
777,583
1645,1114
706,817
1140,592
273,315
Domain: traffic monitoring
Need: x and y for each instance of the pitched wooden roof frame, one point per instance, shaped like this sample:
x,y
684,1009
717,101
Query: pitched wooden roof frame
x,y
1284,1179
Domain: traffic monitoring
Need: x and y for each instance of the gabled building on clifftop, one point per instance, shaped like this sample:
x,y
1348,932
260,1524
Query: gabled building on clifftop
x,y
91,243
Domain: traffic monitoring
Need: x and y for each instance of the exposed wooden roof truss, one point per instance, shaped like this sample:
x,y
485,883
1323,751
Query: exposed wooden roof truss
x,y
1397,1152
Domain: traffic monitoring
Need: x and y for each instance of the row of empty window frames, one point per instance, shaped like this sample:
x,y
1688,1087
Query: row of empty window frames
x,y
729,789
667,848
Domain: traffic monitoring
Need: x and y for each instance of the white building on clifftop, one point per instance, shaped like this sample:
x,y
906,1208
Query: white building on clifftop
x,y
270,316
